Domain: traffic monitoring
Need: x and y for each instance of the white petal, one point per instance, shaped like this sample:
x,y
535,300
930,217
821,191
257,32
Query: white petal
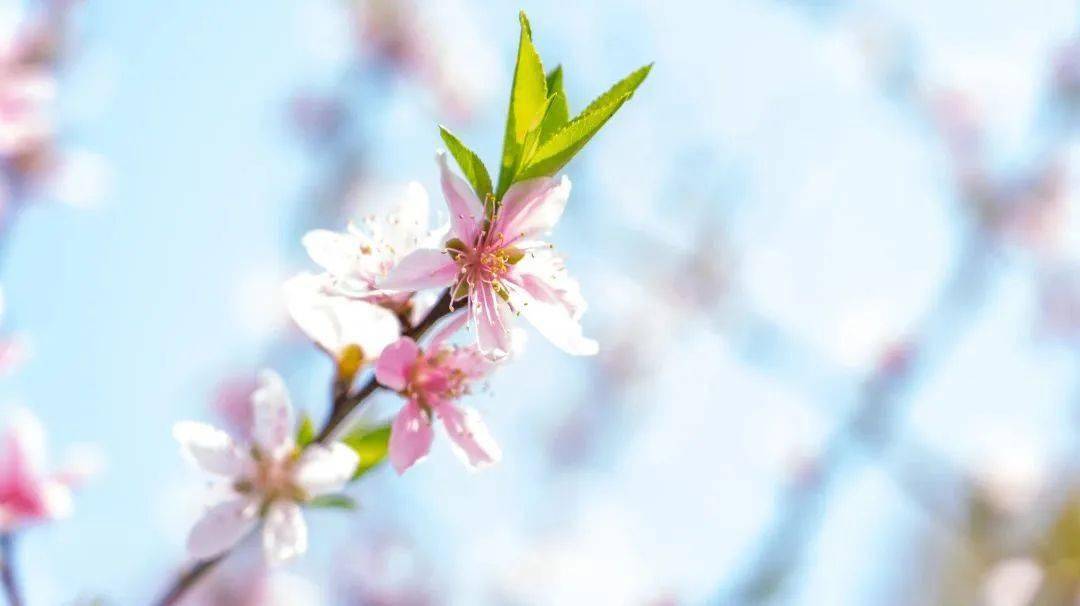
x,y
554,321
284,532
337,253
222,527
272,418
57,498
334,322
409,223
210,448
325,469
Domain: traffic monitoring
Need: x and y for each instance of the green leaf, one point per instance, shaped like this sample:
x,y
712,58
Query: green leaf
x,y
556,151
626,86
305,433
471,165
528,94
558,113
332,501
370,444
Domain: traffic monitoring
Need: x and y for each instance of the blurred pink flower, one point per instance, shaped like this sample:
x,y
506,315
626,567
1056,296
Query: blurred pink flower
x,y
25,97
29,495
431,381
268,478
502,267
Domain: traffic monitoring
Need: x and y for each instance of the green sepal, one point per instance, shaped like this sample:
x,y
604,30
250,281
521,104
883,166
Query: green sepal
x,y
305,432
332,501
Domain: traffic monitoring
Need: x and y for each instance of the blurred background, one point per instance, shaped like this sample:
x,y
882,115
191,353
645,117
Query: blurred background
x,y
831,249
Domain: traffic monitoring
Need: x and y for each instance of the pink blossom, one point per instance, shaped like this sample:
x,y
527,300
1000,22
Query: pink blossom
x,y
501,266
432,381
29,495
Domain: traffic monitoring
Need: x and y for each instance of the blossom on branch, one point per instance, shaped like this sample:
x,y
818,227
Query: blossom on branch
x,y
496,259
431,381
268,479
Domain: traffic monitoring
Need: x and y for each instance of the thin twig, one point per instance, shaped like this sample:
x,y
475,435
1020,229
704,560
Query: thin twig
x,y
188,580
7,570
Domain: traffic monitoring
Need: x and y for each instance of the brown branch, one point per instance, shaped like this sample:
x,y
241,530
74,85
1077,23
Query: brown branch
x,y
188,580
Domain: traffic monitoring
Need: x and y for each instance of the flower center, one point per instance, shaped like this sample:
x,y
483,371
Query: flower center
x,y
432,379
484,263
273,479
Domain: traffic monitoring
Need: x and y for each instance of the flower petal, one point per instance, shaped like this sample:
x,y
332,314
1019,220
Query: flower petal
x,y
410,437
466,211
272,424
395,363
222,527
338,253
531,208
284,532
334,322
210,448
56,497
471,438
325,469
488,313
422,268
409,221
554,321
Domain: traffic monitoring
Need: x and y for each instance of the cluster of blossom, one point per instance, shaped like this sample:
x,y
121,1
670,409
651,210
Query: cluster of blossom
x,y
385,283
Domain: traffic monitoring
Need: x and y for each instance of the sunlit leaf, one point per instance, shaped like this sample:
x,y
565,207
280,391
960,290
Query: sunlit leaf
x,y
554,153
370,444
471,165
528,95
558,113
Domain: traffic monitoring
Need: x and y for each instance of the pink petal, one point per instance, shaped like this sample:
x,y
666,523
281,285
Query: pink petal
x,y
221,527
396,362
450,325
410,437
488,313
531,208
422,268
466,211
21,497
469,434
